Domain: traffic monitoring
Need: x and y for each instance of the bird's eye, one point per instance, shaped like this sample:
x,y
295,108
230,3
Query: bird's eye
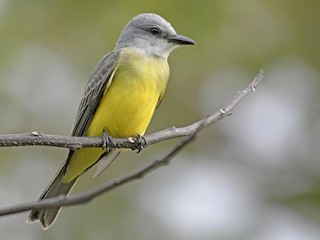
x,y
154,30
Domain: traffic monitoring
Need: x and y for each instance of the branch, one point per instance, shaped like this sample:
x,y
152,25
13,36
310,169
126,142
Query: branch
x,y
190,132
39,139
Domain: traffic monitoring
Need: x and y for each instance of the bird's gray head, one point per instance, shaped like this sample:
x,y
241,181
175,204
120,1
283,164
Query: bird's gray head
x,y
152,34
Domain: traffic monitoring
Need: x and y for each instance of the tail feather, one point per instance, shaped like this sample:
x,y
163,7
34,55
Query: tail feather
x,y
105,161
46,216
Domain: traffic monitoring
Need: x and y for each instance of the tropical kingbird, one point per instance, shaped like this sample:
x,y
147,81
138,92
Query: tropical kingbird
x,y
120,98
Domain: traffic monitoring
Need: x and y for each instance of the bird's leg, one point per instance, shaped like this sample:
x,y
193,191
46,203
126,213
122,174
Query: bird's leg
x,y
106,139
140,142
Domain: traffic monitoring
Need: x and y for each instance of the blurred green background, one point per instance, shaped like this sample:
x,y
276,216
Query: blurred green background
x,y
253,176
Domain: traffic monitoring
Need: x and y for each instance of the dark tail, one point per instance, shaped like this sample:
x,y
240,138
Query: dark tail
x,y
46,216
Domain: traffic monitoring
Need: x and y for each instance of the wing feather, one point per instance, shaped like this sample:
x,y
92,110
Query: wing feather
x,y
94,91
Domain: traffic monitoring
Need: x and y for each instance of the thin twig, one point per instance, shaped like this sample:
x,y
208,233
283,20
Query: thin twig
x,y
40,139
189,131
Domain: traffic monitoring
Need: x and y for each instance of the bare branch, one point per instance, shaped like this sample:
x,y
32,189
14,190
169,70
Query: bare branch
x,y
40,139
75,142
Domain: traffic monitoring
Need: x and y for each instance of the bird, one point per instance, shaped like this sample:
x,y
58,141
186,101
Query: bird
x,y
124,90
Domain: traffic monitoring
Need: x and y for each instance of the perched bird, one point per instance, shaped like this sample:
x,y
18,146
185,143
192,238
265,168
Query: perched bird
x,y
120,98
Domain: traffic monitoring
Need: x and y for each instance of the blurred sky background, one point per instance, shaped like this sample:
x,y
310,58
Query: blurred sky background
x,y
252,176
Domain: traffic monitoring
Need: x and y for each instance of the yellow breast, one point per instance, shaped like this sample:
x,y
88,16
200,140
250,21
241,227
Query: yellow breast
x,y
127,106
130,100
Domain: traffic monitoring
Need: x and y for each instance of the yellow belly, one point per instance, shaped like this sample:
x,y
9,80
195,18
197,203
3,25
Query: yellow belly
x,y
127,106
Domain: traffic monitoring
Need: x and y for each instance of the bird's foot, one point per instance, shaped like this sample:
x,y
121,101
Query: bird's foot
x,y
139,141
106,140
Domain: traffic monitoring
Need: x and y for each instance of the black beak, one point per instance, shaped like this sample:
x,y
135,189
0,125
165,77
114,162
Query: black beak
x,y
182,40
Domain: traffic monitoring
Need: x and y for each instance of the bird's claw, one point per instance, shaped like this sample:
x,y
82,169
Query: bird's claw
x,y
139,141
106,139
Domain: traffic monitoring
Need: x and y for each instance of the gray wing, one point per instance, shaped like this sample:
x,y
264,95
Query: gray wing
x,y
94,92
